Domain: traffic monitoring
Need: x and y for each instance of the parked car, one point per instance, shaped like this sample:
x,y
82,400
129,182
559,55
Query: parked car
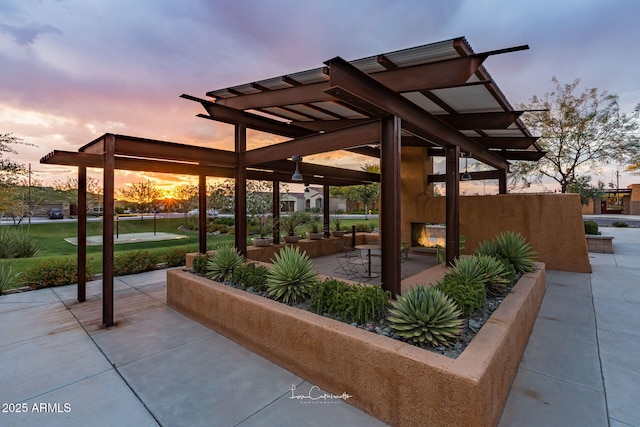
x,y
55,214
210,212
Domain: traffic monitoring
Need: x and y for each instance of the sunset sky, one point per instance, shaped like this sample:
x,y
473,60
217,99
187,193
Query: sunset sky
x,y
72,70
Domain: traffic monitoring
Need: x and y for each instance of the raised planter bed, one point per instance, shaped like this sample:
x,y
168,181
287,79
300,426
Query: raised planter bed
x,y
396,382
313,248
600,244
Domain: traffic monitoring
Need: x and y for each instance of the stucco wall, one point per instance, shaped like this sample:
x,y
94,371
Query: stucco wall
x,y
396,382
551,222
634,202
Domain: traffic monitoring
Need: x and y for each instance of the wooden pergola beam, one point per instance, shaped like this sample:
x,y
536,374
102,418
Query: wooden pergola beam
x,y
143,165
310,169
491,120
340,139
155,149
494,174
532,156
281,170
349,83
224,114
506,142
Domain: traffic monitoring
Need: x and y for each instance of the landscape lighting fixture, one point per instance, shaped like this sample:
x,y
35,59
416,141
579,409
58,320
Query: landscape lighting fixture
x,y
297,176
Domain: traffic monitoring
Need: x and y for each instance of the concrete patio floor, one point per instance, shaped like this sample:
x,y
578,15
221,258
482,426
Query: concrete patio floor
x,y
157,367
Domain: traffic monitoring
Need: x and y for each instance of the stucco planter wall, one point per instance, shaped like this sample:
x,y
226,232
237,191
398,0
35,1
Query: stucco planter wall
x,y
398,383
313,248
599,243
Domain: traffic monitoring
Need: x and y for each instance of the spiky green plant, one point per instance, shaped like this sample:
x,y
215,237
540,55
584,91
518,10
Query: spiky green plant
x,y
349,302
9,278
291,276
498,273
469,268
221,264
487,247
515,249
425,314
467,292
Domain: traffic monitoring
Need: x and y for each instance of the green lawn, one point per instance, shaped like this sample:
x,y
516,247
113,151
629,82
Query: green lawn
x,y
50,238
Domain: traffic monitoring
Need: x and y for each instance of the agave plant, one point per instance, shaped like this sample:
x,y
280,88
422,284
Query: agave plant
x,y
426,314
469,268
515,249
487,247
221,264
498,273
292,276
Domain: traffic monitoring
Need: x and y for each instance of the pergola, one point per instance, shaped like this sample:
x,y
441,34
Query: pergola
x,y
438,96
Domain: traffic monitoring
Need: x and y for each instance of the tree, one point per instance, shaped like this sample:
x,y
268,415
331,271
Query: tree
x,y
577,131
365,193
67,191
143,194
220,196
187,197
259,197
10,171
582,186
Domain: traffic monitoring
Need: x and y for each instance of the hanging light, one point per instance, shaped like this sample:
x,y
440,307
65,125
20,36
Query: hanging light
x,y
297,176
466,176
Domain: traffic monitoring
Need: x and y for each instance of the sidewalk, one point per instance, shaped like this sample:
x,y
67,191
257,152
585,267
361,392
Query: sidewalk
x,y
581,366
158,367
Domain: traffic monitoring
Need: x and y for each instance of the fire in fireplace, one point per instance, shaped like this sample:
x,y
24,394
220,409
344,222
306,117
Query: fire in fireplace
x,y
427,236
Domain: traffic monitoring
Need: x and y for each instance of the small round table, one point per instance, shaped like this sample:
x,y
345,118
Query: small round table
x,y
369,248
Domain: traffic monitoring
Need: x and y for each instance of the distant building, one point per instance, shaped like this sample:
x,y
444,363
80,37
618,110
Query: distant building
x,y
310,199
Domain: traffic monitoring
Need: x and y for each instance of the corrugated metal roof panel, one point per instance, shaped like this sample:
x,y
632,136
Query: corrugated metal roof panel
x,y
423,102
288,114
311,112
339,109
469,99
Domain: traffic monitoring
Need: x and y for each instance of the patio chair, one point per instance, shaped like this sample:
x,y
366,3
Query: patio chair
x,y
347,259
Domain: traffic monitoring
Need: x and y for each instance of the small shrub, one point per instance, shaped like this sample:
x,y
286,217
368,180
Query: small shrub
x,y
350,303
199,265
468,293
250,276
619,224
175,257
292,275
488,248
9,278
425,314
324,296
15,243
225,221
515,249
591,227
134,262
498,274
55,272
364,227
221,264
190,223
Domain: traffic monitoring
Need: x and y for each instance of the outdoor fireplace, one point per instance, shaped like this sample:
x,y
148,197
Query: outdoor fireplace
x,y
426,237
